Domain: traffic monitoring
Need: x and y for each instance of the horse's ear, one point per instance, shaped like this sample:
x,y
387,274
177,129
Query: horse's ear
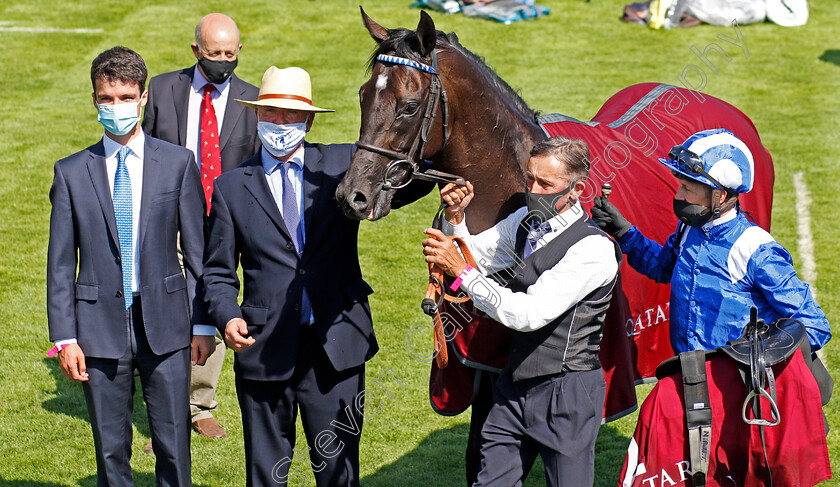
x,y
378,32
426,33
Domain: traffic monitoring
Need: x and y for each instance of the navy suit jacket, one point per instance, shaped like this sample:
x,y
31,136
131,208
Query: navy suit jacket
x,y
247,229
166,115
88,304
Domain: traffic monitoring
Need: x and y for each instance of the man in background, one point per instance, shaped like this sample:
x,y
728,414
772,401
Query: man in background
x,y
194,108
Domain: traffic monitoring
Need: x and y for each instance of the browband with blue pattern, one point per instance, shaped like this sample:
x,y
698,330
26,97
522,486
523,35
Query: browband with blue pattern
x,y
407,62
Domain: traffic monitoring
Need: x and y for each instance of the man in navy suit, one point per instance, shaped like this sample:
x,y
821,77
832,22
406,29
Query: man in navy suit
x,y
303,331
178,112
117,299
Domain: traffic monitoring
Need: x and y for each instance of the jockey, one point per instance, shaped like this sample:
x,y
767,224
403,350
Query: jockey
x,y
719,263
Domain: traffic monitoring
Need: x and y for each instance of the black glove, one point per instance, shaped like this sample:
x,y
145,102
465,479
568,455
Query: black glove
x,y
608,218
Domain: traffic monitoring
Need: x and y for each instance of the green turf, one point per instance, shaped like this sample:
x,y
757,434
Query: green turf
x,y
569,62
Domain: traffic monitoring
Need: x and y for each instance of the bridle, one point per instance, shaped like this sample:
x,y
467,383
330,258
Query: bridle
x,y
408,162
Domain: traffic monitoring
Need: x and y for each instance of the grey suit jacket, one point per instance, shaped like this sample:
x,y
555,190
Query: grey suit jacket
x,y
84,274
166,115
247,230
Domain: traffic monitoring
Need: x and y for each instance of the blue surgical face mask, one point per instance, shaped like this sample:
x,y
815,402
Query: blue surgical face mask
x,y
118,118
281,140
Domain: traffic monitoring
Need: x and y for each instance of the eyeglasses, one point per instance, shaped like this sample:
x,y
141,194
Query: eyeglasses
x,y
690,163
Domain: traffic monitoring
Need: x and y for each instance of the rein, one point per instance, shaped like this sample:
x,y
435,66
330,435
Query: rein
x,y
436,294
409,161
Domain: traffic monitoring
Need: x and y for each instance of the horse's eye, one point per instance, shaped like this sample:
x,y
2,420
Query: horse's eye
x,y
410,108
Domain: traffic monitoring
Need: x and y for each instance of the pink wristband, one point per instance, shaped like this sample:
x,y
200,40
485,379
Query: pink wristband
x,y
455,285
54,350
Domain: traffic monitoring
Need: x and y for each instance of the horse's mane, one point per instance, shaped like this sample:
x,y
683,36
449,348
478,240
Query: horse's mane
x,y
404,43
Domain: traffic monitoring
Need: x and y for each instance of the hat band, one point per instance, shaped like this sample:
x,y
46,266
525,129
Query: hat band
x,y
286,97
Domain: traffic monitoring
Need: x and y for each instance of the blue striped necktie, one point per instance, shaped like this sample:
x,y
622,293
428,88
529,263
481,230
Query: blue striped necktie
x,y
291,216
123,214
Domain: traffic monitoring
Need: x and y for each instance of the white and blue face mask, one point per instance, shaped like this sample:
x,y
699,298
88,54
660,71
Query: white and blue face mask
x,y
281,140
118,118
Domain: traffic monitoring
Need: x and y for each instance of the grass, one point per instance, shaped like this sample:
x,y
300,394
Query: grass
x,y
569,62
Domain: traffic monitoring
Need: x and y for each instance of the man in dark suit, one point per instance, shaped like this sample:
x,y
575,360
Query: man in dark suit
x,y
194,108
303,331
117,299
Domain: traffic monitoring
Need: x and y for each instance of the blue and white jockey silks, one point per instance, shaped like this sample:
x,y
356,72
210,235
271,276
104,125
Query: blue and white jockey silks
x,y
717,273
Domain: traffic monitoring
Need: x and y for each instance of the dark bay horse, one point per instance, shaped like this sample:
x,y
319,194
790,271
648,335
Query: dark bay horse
x,y
488,144
432,105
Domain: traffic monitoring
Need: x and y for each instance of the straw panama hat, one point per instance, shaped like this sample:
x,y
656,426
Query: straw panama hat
x,y
288,88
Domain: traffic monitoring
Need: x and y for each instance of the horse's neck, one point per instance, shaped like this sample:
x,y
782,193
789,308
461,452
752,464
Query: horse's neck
x,y
489,145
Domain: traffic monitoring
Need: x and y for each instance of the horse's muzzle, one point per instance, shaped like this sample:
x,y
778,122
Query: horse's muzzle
x,y
358,204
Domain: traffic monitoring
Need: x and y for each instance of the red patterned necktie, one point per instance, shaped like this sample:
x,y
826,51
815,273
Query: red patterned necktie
x,y
211,153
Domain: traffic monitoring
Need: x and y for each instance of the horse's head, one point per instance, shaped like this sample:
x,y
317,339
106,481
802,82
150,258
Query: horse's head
x,y
403,118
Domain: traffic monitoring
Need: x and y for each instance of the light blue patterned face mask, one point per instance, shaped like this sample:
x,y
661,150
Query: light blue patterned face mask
x,y
118,118
281,140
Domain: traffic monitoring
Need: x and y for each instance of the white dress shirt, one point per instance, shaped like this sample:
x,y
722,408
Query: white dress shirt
x,y
219,98
588,265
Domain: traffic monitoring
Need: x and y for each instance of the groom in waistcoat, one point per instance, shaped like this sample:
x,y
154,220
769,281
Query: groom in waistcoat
x,y
562,268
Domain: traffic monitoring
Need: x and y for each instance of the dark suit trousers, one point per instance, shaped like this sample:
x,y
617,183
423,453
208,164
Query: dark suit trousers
x,y
555,417
109,393
481,406
330,404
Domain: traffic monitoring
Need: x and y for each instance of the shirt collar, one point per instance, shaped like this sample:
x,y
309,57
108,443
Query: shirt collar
x,y
564,220
136,145
561,221
198,82
270,163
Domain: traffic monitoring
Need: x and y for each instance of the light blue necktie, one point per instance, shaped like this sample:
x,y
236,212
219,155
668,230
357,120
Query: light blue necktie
x,y
123,211
291,216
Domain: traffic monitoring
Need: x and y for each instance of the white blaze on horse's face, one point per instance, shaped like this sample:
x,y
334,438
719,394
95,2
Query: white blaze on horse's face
x,y
381,82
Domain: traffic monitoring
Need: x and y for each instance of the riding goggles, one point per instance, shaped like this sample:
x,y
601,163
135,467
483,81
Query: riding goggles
x,y
690,164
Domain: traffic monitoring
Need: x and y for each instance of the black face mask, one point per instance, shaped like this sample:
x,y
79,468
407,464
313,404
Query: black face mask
x,y
691,214
543,207
217,72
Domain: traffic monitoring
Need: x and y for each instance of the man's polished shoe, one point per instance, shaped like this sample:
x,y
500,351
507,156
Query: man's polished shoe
x,y
209,428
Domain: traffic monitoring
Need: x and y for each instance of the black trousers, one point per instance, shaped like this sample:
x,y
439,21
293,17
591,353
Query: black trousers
x,y
481,406
109,393
331,409
556,417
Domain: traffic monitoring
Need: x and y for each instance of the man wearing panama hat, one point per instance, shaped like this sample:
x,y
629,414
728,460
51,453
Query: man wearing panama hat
x,y
303,331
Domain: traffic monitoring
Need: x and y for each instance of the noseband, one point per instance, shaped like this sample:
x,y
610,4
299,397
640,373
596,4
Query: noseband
x,y
409,161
